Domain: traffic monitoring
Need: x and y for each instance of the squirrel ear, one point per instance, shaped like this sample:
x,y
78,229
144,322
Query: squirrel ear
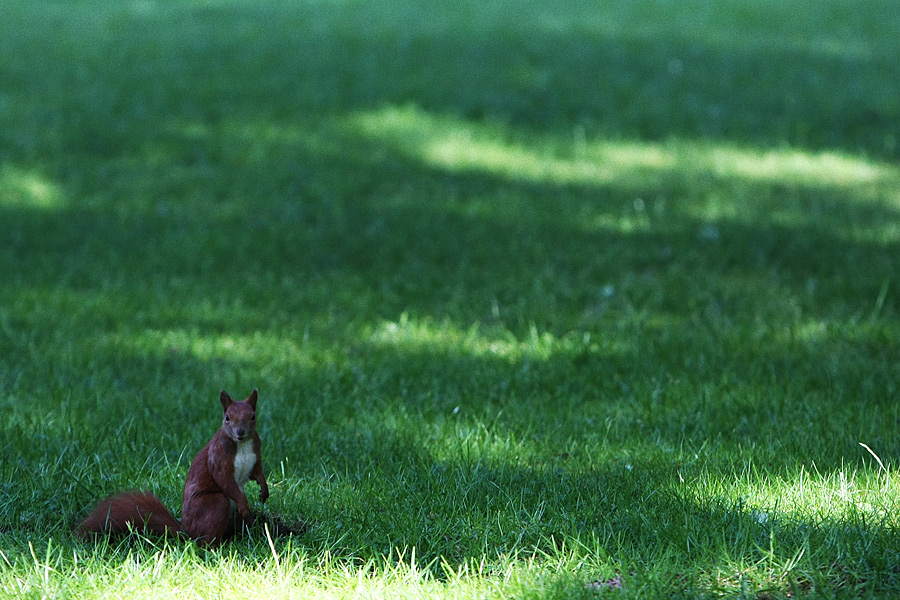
x,y
254,396
225,399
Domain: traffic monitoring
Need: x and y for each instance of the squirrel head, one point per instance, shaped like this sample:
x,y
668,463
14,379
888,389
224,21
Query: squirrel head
x,y
239,421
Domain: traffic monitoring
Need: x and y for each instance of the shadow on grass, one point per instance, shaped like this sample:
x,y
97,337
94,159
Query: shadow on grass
x,y
224,155
640,315
627,72
464,457
356,241
218,219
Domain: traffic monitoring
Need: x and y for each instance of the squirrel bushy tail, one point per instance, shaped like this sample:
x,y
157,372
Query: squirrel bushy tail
x,y
131,511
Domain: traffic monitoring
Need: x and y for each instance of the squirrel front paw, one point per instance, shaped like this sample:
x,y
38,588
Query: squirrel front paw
x,y
263,494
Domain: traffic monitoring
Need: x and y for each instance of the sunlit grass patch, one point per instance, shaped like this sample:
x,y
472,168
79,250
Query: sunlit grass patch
x,y
460,148
423,336
257,347
22,188
805,495
290,572
457,145
792,166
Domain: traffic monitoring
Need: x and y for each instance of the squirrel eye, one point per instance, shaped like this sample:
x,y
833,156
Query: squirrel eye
x,y
227,418
253,417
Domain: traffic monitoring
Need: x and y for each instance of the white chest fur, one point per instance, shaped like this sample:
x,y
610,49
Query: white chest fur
x,y
243,463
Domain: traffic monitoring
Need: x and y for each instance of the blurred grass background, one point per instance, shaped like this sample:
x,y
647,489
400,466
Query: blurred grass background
x,y
511,277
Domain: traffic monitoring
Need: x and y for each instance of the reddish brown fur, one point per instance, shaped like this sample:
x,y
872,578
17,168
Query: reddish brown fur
x,y
210,481
206,514
131,511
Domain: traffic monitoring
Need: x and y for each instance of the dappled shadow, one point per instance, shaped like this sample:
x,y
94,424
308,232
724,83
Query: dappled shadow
x,y
491,504
471,247
358,229
234,213
449,475
541,67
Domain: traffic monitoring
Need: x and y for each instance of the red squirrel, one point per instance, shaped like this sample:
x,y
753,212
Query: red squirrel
x,y
212,491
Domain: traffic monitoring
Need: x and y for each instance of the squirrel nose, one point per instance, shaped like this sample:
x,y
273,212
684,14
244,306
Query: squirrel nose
x,y
240,432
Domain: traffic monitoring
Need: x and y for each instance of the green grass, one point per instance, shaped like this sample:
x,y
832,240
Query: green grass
x,y
543,299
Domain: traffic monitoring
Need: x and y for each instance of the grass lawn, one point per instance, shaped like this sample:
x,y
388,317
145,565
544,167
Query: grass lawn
x,y
543,298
